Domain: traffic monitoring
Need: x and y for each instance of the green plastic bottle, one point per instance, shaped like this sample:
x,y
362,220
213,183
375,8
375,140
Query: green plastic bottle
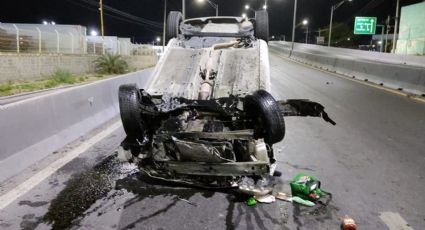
x,y
302,201
251,201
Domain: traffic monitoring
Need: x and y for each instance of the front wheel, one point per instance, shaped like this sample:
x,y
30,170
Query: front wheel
x,y
268,119
129,103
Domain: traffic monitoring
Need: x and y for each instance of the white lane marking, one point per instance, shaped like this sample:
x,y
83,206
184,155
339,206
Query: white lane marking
x,y
33,181
394,221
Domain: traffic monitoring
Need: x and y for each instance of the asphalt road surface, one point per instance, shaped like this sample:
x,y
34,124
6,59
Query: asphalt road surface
x,y
372,162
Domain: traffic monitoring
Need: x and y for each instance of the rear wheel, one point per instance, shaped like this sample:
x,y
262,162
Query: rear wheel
x,y
268,120
129,103
262,25
173,24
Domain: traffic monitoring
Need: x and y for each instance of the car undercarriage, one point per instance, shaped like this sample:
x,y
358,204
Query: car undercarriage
x,y
208,143
206,117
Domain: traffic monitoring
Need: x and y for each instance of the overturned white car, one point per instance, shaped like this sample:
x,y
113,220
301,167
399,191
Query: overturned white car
x,y
206,117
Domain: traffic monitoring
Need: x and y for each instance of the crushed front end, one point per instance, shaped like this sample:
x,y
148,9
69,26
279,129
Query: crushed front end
x,y
207,143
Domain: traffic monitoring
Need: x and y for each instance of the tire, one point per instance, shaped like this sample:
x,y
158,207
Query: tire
x,y
262,25
173,24
129,103
268,119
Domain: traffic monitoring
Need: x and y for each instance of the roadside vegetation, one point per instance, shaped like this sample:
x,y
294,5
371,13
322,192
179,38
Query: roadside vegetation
x,y
58,79
107,65
111,64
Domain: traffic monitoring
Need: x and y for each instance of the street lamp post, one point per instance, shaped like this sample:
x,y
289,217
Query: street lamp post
x,y
212,4
333,8
102,31
396,27
293,26
306,35
305,23
165,25
184,9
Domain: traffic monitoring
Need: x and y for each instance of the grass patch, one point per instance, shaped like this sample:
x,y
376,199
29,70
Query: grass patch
x,y
59,78
63,77
5,89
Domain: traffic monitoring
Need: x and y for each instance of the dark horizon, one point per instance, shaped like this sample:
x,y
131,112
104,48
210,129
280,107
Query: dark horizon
x,y
80,12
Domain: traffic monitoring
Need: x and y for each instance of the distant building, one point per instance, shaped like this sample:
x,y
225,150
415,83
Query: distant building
x,y
412,30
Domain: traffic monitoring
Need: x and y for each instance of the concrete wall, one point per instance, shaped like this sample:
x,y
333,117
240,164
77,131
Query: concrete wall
x,y
18,67
388,70
33,128
411,38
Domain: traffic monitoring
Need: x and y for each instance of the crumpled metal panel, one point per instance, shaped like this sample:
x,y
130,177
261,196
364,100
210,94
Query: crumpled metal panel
x,y
241,71
197,152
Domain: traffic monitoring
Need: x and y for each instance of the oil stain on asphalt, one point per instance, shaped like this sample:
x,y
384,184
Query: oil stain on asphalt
x,y
81,191
108,180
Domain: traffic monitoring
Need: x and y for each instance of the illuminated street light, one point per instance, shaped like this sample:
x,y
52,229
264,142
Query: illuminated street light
x,y
158,39
45,23
265,7
93,33
305,23
53,23
244,15
247,7
212,4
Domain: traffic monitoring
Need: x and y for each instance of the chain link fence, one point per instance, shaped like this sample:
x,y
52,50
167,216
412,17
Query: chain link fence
x,y
63,39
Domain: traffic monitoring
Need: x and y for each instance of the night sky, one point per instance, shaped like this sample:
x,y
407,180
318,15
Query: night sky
x,y
280,11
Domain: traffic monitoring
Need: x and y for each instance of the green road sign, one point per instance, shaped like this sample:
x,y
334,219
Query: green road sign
x,y
365,25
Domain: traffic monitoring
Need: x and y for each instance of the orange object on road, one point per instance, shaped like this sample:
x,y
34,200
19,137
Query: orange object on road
x,y
348,224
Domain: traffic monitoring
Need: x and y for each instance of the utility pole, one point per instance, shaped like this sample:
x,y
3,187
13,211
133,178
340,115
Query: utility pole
x,y
293,27
386,36
396,27
330,27
184,9
306,36
101,26
333,8
381,46
165,24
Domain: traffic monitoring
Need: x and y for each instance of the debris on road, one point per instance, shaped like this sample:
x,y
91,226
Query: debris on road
x,y
348,224
300,200
251,201
187,201
268,199
283,196
251,187
306,187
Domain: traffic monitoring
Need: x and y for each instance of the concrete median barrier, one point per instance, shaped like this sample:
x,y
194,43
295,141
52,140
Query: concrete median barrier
x,y
33,128
393,71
